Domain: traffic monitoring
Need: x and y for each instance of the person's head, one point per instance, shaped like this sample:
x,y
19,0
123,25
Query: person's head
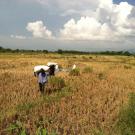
x,y
42,70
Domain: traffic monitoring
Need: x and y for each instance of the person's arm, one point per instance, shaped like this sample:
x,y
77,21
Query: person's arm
x,y
35,74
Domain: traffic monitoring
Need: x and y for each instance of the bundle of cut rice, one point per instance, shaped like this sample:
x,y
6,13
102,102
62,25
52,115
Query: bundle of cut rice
x,y
55,64
39,67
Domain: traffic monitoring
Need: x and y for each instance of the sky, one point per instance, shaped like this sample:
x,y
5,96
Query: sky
x,y
84,25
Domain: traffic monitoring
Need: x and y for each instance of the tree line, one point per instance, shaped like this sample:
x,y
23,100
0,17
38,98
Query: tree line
x,y
60,51
8,50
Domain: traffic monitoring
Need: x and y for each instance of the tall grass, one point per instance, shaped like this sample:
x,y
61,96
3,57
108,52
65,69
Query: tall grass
x,y
88,70
74,72
55,84
74,105
126,121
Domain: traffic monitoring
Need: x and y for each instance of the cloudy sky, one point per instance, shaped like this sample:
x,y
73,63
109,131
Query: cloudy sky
x,y
87,25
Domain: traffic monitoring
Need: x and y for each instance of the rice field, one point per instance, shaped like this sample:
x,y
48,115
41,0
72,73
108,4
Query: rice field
x,y
88,104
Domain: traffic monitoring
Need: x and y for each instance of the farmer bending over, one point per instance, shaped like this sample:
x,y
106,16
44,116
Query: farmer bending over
x,y
42,80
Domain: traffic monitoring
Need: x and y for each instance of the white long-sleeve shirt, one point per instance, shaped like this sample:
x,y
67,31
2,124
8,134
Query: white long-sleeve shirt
x,y
42,79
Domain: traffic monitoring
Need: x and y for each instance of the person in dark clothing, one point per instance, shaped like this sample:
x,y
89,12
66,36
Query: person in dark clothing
x,y
52,70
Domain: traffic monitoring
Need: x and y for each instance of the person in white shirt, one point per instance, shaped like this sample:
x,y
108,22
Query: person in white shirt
x,y
42,80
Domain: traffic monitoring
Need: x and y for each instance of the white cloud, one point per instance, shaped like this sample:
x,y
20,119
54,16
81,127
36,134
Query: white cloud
x,y
106,4
110,22
99,20
121,13
69,4
18,36
87,28
39,30
70,12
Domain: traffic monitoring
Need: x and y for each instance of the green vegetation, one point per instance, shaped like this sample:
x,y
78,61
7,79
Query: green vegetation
x,y
126,122
56,83
74,72
127,66
8,50
101,76
88,70
26,106
18,127
98,132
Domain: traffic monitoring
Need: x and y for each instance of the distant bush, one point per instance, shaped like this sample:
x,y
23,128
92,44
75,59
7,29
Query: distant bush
x,y
56,83
126,121
84,57
74,72
127,67
87,70
101,76
60,51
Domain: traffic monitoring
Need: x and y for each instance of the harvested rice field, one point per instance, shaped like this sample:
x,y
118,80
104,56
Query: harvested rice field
x,y
83,102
